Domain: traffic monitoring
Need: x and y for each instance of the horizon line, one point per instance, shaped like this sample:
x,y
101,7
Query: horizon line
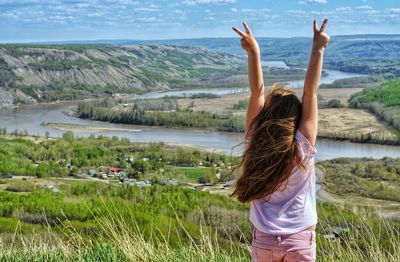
x,y
170,39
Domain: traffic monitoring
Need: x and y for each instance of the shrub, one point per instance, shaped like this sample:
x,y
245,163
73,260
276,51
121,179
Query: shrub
x,y
334,103
20,186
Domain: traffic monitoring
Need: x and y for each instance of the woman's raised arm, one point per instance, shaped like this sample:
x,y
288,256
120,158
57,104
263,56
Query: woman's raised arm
x,y
309,119
255,74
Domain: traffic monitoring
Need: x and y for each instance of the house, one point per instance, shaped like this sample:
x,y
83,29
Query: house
x,y
173,182
47,186
50,186
114,169
140,183
6,176
103,176
123,179
229,183
92,172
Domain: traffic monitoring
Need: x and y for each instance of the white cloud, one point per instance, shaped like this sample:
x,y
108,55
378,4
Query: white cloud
x,y
301,2
394,10
364,7
122,2
344,9
296,12
266,10
146,19
318,1
212,2
234,10
96,14
82,5
146,9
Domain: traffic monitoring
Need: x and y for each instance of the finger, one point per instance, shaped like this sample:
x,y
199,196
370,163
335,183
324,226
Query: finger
x,y
247,28
239,32
315,26
323,25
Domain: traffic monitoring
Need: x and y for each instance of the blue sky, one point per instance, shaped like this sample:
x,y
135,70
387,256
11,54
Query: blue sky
x,y
55,20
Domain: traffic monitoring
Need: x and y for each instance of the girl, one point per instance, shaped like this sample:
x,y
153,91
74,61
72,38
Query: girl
x,y
278,175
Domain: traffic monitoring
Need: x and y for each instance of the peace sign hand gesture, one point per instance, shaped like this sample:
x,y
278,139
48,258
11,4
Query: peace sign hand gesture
x,y
249,43
321,39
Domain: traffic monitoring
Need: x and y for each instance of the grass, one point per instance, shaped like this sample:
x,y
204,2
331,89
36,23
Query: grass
x,y
354,125
383,101
387,94
368,238
20,186
192,174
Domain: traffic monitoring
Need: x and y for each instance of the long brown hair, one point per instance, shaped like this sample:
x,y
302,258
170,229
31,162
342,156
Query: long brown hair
x,y
271,154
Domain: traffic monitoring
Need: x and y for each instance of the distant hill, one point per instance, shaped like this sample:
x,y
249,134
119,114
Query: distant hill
x,y
42,73
364,54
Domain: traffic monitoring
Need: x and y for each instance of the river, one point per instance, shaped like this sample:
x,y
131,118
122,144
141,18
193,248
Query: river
x,y
328,79
31,117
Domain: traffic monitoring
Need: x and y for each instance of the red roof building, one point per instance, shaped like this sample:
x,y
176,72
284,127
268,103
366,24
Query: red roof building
x,y
114,169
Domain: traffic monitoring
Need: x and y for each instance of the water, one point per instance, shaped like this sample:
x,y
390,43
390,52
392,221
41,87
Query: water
x,y
332,74
187,93
278,64
30,118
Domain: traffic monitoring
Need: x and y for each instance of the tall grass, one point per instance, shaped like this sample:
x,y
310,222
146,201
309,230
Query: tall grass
x,y
365,241
124,241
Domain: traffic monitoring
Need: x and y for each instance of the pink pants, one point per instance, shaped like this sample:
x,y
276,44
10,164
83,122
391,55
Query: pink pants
x,y
299,247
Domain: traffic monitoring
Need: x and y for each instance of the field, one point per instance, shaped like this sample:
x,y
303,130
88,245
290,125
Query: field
x,y
347,123
226,102
86,129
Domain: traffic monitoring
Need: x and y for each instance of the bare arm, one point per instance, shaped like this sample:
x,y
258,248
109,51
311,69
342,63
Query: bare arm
x,y
255,74
309,120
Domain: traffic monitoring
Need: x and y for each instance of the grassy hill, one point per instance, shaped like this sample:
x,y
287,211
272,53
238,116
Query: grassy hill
x,y
89,219
43,73
384,101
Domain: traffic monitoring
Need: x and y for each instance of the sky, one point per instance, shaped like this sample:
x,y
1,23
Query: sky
x,y
63,20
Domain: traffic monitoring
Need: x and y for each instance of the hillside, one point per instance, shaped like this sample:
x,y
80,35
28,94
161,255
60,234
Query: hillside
x,y
365,54
384,101
64,203
43,73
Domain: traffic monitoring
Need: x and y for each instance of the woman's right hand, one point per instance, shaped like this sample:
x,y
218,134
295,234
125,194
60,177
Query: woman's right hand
x,y
249,43
321,39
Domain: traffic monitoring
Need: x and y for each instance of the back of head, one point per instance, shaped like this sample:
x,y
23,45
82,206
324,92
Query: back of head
x,y
271,153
